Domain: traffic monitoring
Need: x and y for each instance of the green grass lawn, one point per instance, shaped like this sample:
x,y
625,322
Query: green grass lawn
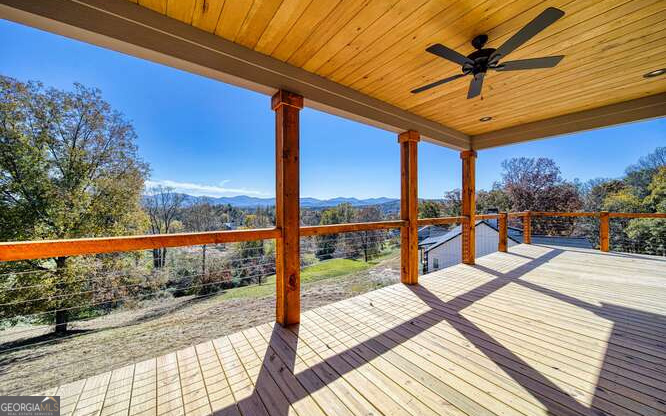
x,y
326,269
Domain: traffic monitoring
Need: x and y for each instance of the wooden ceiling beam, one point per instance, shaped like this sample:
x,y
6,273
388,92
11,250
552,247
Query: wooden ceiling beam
x,y
625,112
128,28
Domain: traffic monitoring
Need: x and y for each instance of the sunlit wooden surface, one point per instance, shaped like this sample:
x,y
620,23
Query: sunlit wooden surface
x,y
536,331
377,47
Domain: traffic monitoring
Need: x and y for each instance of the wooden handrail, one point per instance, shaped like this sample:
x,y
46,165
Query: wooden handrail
x,y
596,214
637,214
311,230
440,221
487,216
563,214
28,250
517,214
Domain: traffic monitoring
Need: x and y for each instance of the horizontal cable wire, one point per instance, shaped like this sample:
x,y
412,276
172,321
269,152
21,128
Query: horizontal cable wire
x,y
94,286
144,296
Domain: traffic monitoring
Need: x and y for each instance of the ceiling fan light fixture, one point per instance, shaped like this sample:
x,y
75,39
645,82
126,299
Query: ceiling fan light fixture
x,y
484,119
483,58
655,73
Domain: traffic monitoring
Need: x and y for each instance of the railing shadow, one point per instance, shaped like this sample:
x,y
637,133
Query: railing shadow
x,y
278,362
621,317
651,257
284,345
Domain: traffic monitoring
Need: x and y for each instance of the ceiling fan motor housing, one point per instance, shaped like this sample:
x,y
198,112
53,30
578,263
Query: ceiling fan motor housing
x,y
481,59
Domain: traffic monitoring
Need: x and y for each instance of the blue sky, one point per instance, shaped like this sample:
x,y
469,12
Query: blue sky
x,y
204,137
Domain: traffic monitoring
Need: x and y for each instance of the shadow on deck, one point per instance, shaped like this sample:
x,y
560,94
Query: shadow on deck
x,y
542,330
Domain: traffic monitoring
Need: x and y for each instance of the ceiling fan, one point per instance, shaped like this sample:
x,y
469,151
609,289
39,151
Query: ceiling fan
x,y
482,59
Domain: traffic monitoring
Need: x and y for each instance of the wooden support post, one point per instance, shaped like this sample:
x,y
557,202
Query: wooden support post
x,y
409,208
527,228
503,234
604,226
287,212
468,205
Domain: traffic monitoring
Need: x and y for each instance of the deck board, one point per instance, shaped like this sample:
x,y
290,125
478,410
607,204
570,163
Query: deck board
x,y
539,330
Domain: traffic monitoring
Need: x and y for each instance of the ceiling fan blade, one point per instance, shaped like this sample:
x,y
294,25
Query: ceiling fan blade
x,y
449,54
533,63
436,83
542,21
475,85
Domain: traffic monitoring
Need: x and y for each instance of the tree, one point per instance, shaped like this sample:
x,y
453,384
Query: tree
x,y
429,209
69,168
369,242
595,191
493,199
536,184
252,261
656,200
199,217
327,245
644,235
639,176
203,216
162,205
452,203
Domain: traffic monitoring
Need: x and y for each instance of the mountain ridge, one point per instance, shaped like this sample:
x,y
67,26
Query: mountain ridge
x,y
244,201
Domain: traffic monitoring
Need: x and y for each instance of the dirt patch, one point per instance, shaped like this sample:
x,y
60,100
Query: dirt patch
x,y
32,365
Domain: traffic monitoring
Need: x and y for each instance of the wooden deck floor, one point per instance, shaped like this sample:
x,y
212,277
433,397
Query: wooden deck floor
x,y
540,330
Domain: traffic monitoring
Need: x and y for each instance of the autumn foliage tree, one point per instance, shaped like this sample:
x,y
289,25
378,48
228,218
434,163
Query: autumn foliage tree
x,y
643,189
69,168
536,184
162,204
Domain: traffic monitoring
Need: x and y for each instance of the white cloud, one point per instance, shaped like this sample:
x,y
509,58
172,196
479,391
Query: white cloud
x,y
197,189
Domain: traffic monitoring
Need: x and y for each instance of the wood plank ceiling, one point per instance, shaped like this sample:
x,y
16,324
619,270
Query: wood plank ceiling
x,y
378,48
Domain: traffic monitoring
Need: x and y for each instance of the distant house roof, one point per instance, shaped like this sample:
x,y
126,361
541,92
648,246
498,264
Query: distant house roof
x,y
431,231
576,242
432,242
516,234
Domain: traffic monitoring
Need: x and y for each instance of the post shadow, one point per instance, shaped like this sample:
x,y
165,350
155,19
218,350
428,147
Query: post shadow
x,y
633,368
279,359
282,348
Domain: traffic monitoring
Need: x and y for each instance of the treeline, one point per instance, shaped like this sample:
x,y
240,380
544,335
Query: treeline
x,y
536,184
69,168
168,213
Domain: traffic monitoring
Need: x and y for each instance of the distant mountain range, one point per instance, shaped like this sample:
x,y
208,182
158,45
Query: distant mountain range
x,y
244,201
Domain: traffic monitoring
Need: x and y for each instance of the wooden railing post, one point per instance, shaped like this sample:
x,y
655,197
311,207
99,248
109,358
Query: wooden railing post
x,y
527,228
468,205
287,212
409,208
604,241
503,232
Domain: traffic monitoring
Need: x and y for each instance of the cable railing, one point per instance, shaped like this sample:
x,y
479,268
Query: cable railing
x,y
71,308
566,229
639,233
63,322
336,266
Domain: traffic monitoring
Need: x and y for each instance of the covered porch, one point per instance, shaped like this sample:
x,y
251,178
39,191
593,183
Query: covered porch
x,y
539,330
530,330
